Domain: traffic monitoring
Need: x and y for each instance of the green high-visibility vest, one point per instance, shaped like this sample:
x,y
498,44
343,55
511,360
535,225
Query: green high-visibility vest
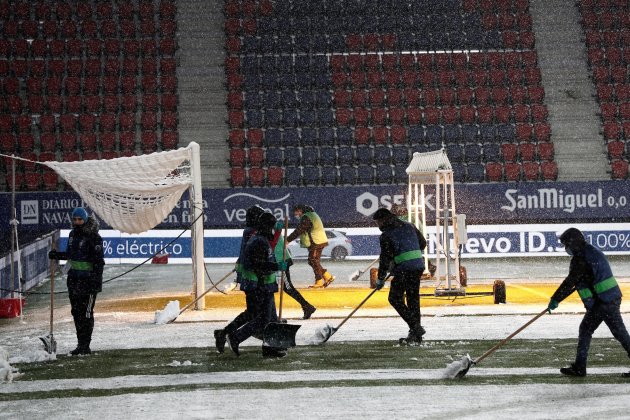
x,y
81,265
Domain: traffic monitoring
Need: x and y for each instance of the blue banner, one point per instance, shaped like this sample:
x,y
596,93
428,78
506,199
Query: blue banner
x,y
491,203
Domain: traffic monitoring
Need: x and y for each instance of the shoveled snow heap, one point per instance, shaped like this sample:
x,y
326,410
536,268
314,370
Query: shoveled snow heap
x,y
168,314
454,368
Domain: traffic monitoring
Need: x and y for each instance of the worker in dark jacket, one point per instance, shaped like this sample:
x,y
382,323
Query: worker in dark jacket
x,y
85,278
312,236
283,254
401,257
591,276
259,281
251,218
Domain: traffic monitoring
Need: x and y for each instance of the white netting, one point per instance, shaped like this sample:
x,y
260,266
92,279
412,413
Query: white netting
x,y
132,194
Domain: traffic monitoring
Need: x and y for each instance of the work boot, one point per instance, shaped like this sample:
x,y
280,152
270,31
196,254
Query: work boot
x,y
273,352
233,344
573,370
328,278
625,375
308,311
414,338
219,340
319,283
81,350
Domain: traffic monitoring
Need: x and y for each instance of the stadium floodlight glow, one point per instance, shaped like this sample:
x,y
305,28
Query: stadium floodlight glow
x,y
135,194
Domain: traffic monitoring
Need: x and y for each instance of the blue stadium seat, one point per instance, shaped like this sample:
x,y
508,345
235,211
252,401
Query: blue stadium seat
x,y
400,155
347,175
434,136
273,118
271,100
287,99
365,174
274,156
416,134
492,152
293,175
273,137
383,174
310,156
344,135
364,155
306,99
269,81
311,175
345,155
328,156
252,100
400,174
309,136
254,118
487,133
473,152
323,99
475,172
291,137
452,134
326,118
308,118
292,156
469,133
459,171
506,132
421,148
455,152
329,176
326,136
382,155
290,117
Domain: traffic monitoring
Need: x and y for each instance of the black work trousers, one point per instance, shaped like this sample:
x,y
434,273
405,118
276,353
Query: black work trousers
x,y
601,312
404,296
82,309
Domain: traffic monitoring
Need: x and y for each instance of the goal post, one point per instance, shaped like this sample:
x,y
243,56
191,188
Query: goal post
x,y
134,194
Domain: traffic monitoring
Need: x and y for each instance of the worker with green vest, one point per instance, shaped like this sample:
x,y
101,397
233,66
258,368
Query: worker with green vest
x,y
591,276
284,255
401,258
259,268
85,277
312,236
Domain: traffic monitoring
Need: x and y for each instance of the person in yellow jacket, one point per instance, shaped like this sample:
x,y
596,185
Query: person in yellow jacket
x,y
312,236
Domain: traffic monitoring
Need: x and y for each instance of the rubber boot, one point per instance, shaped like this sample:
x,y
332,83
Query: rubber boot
x,y
319,283
308,310
328,278
273,352
573,370
219,340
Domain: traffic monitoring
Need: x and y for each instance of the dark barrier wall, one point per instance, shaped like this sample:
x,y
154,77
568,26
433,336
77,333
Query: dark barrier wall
x,y
535,202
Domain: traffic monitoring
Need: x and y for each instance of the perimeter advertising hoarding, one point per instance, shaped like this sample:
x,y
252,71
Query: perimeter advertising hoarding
x,y
496,203
484,241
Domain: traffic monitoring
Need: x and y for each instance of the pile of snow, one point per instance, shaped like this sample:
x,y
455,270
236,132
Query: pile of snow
x,y
168,314
176,363
33,356
457,367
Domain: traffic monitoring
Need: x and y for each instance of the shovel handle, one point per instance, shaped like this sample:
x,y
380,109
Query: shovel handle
x,y
284,257
214,286
52,288
361,272
509,337
356,309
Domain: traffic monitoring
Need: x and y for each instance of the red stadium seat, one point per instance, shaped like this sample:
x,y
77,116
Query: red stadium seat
x,y
509,152
238,177
494,171
513,171
549,171
169,140
275,176
527,151
531,171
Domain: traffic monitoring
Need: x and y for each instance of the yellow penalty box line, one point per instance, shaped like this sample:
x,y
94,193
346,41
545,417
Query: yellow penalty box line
x,y
349,297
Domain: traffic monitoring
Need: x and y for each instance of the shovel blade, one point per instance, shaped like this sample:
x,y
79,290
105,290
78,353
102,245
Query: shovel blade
x,y
467,362
50,345
280,335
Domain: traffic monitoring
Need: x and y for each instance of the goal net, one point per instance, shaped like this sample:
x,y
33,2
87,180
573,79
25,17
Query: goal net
x,y
134,194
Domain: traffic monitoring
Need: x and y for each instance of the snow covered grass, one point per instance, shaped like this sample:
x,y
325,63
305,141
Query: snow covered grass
x,y
518,355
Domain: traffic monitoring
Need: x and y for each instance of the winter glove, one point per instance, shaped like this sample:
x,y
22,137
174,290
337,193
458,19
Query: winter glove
x,y
379,284
53,255
282,266
552,305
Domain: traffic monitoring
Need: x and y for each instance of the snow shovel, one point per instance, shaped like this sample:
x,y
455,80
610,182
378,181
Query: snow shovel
x,y
459,368
322,335
50,345
279,334
214,286
355,276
